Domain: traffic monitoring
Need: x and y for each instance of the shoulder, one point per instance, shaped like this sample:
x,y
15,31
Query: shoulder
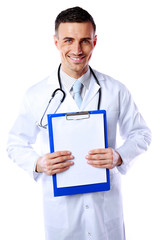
x,y
37,96
38,86
109,82
43,88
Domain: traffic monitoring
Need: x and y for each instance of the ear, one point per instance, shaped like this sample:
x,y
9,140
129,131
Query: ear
x,y
56,42
95,40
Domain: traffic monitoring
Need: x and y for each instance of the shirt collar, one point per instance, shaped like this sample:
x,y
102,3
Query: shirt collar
x,y
69,81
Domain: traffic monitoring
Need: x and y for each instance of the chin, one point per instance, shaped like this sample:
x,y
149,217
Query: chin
x,y
79,68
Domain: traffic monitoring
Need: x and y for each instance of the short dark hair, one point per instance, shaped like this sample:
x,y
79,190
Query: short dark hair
x,y
75,14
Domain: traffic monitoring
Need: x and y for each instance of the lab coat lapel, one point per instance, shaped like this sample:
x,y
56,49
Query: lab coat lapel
x,y
53,80
90,100
69,104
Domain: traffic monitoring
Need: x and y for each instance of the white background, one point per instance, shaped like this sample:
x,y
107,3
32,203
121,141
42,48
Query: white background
x,y
128,49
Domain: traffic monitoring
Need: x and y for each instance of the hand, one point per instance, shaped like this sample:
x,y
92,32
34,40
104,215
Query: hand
x,y
104,158
53,163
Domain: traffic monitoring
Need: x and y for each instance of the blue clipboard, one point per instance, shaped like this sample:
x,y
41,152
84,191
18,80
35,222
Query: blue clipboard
x,y
59,126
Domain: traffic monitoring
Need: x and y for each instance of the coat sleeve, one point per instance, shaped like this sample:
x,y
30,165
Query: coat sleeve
x,y
21,139
133,130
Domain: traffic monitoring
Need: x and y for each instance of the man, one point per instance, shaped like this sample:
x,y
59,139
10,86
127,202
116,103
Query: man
x,y
99,215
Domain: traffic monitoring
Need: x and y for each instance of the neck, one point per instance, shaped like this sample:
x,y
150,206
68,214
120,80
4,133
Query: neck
x,y
73,73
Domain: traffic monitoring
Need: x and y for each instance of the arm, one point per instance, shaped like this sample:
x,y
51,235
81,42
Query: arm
x,y
133,130
23,136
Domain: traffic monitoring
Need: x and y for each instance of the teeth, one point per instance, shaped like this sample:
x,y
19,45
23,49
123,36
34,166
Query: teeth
x,y
76,59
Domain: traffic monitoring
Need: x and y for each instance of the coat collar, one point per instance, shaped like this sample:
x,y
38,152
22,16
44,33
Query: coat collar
x,y
90,100
53,78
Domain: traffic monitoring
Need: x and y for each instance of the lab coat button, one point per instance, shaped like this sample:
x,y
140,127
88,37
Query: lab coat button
x,y
89,234
87,207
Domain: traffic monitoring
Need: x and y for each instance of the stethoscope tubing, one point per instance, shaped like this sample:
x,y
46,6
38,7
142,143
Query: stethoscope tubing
x,y
99,99
64,95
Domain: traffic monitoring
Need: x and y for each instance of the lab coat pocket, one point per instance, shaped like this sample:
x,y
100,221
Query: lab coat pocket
x,y
113,206
55,213
55,208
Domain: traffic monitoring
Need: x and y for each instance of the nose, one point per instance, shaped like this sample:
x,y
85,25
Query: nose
x,y
77,49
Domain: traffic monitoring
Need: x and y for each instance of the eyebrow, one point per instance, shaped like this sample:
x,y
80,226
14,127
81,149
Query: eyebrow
x,y
70,38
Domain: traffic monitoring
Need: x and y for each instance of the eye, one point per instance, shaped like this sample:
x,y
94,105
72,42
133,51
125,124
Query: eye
x,y
68,41
85,41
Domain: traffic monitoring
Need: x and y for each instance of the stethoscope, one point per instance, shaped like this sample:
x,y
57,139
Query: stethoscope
x,y
40,124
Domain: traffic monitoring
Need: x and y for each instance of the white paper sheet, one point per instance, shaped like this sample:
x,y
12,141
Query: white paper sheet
x,y
79,136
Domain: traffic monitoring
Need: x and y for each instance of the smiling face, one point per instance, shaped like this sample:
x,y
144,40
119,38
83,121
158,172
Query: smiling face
x,y
76,42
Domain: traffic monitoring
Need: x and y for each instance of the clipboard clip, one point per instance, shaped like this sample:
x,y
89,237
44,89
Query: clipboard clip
x,y
77,116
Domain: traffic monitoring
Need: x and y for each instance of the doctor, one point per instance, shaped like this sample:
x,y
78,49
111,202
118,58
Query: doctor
x,y
97,216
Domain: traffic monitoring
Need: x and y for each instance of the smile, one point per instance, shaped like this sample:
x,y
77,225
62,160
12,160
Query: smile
x,y
76,59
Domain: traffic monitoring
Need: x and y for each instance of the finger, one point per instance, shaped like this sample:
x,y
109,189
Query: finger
x,y
61,159
100,164
101,151
60,170
99,157
57,168
58,154
97,151
62,165
55,171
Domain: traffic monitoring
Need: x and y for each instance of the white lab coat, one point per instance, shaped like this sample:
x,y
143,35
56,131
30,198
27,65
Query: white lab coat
x,y
96,216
